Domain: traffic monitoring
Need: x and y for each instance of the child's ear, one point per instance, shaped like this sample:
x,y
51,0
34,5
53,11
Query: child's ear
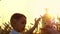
x,y
14,22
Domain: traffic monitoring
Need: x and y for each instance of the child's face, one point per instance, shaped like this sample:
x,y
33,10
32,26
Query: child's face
x,y
21,24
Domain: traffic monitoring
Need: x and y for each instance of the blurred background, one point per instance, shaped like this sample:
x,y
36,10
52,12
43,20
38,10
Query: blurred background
x,y
31,9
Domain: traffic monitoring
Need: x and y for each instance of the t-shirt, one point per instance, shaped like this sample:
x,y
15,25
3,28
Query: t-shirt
x,y
14,32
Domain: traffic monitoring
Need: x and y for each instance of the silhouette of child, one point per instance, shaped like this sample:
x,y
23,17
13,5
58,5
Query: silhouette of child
x,y
18,22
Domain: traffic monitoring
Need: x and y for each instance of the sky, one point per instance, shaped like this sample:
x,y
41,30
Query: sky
x,y
31,8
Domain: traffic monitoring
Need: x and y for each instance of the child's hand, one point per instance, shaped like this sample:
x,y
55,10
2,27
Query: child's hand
x,y
37,21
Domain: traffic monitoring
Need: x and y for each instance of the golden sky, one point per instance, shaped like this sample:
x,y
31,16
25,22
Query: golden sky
x,y
30,8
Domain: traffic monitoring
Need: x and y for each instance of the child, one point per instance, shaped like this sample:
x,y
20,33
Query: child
x,y
18,22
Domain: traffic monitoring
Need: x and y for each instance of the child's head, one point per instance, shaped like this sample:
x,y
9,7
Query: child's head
x,y
18,22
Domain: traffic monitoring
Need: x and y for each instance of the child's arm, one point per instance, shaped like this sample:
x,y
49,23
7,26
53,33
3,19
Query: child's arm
x,y
33,28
